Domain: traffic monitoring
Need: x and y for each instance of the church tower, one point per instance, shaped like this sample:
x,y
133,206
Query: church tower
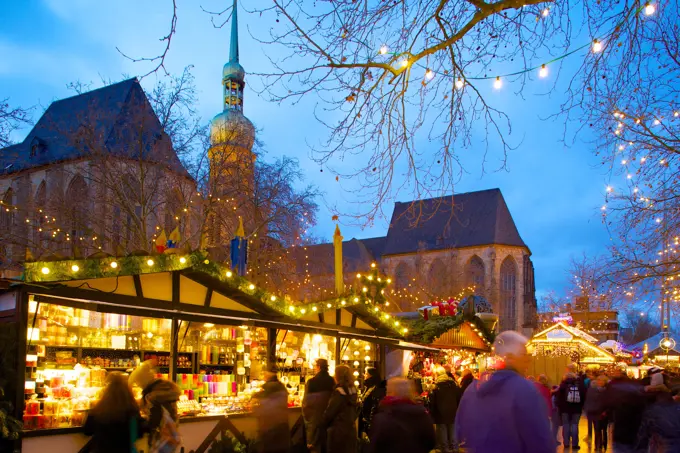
x,y
232,136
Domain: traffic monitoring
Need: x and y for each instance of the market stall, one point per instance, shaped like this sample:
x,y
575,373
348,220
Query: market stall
x,y
559,345
210,331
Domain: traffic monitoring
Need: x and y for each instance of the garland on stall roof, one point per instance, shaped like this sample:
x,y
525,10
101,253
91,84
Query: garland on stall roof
x,y
107,266
426,331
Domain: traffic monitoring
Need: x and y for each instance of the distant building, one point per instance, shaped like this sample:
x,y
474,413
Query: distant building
x,y
433,249
601,324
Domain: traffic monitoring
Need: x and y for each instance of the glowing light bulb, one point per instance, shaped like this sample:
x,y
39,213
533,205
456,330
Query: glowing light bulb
x,y
229,274
649,9
251,287
597,46
497,84
460,83
114,265
543,72
314,308
624,162
149,262
291,308
404,62
75,268
657,122
45,270
383,49
545,12
182,260
429,75
610,188
273,298
328,305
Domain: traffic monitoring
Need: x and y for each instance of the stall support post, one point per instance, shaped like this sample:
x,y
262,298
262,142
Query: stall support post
x,y
338,341
174,337
383,354
272,333
22,327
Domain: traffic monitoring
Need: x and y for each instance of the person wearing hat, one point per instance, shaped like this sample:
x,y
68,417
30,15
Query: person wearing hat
x,y
271,412
375,390
504,412
318,392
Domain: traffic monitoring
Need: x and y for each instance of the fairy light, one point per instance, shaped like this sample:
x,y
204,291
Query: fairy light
x,y
650,9
383,49
429,75
543,72
597,46
113,265
404,62
182,260
229,274
460,83
45,270
75,268
273,298
497,84
545,12
251,287
149,262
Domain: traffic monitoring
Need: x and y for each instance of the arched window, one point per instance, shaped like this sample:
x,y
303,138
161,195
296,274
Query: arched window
x,y
77,199
437,279
474,273
508,294
40,242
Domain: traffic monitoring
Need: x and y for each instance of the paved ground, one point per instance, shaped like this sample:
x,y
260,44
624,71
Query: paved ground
x,y
585,446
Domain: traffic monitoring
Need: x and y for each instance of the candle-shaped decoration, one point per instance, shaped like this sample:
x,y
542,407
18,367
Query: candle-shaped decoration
x,y
337,246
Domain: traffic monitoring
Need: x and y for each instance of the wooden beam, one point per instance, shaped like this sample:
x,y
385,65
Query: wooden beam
x,y
320,317
138,285
175,288
208,297
338,317
354,320
22,328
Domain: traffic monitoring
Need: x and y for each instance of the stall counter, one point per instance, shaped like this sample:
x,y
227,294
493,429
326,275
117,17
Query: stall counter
x,y
193,430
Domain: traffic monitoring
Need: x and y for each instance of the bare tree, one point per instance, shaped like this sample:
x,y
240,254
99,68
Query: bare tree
x,y
639,327
11,119
551,302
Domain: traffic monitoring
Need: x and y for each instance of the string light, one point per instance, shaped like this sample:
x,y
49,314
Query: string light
x,y
429,75
460,83
497,84
75,268
597,46
45,270
545,12
149,262
543,72
649,9
251,287
404,62
113,265
183,260
383,49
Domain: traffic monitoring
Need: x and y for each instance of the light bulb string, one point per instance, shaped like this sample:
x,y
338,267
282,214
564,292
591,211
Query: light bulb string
x,y
632,12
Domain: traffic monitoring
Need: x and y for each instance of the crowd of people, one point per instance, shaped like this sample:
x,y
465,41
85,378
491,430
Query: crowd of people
x,y
502,411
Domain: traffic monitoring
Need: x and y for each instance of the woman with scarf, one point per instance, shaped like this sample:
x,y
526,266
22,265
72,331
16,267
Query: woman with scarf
x,y
375,390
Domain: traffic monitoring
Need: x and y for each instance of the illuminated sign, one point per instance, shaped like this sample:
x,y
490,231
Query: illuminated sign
x,y
563,317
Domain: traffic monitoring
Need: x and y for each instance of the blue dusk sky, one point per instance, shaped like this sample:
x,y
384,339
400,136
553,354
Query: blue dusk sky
x,y
554,190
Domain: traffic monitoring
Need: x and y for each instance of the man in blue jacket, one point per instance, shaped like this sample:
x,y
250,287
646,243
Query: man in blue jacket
x,y
504,413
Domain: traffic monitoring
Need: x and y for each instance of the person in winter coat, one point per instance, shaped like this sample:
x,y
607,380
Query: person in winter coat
x,y
466,380
571,397
401,425
543,387
317,393
660,425
595,410
158,397
271,412
340,416
375,390
115,422
443,406
505,409
626,401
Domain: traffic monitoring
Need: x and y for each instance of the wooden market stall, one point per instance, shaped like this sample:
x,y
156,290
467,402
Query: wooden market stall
x,y
559,345
211,331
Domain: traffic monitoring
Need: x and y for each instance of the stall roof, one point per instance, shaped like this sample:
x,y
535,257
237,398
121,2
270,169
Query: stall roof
x,y
653,343
563,333
192,285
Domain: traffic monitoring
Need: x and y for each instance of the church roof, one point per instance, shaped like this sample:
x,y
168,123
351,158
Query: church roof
x,y
114,119
463,220
318,259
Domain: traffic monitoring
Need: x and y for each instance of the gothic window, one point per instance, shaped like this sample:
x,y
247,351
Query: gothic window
x,y
508,294
401,277
437,278
77,197
475,274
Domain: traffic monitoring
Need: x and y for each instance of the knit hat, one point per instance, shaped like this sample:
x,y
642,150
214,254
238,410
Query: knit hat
x,y
143,375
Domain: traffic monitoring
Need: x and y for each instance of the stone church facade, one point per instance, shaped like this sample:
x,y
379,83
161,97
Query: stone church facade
x,y
436,249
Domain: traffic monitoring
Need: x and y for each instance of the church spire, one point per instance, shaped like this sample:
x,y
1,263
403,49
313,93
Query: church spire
x,y
233,44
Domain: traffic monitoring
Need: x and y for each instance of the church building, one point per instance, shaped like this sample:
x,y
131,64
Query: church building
x,y
437,249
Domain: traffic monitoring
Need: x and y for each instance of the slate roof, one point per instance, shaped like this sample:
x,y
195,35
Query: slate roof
x,y
114,119
464,220
357,256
